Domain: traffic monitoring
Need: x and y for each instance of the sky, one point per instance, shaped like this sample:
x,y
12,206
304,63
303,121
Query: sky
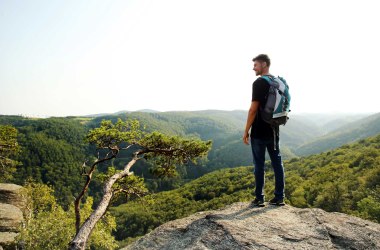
x,y
75,57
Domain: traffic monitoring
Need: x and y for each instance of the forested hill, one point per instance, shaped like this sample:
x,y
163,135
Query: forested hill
x,y
52,151
347,133
342,180
304,134
53,148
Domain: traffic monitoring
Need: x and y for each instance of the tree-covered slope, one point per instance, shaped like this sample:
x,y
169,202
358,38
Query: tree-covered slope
x,y
351,132
52,151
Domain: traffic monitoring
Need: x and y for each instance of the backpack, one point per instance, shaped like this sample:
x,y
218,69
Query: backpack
x,y
276,109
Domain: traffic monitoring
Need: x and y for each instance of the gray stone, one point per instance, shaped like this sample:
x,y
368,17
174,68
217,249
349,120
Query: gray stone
x,y
241,227
11,218
10,194
7,240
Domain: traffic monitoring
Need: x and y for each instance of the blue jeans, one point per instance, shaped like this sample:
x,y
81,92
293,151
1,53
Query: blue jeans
x,y
258,150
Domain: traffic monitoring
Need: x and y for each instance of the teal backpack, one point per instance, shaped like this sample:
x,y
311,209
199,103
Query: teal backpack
x,y
276,109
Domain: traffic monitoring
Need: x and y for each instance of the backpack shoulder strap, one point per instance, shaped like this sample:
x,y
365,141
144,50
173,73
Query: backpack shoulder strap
x,y
268,78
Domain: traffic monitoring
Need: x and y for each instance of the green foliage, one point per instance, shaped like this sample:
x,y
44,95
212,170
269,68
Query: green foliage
x,y
8,150
110,135
166,152
49,226
52,152
51,161
39,197
68,130
369,208
342,180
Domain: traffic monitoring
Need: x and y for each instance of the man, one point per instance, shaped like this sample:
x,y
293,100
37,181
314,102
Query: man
x,y
262,137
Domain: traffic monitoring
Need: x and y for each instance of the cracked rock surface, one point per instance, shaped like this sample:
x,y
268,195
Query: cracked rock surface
x,y
240,226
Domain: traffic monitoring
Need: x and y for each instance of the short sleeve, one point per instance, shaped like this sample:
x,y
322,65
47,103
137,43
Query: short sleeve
x,y
260,90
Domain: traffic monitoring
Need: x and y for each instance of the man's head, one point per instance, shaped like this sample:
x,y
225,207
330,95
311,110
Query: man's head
x,y
261,64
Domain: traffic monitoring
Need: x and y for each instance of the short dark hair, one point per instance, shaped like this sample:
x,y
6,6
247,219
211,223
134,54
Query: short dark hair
x,y
262,58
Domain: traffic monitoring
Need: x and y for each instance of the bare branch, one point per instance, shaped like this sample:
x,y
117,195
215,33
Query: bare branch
x,y
159,150
127,147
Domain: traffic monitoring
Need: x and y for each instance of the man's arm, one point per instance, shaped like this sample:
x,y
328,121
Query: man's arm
x,y
251,117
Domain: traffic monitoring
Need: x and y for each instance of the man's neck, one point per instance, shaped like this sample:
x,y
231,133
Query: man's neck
x,y
265,71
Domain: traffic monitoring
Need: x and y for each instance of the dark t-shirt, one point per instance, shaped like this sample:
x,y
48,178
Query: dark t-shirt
x,y
260,129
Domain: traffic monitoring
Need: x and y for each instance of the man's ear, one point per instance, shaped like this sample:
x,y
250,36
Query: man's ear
x,y
264,64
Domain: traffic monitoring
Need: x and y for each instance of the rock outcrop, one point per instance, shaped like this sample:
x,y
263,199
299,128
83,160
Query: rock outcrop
x,y
11,216
10,194
240,226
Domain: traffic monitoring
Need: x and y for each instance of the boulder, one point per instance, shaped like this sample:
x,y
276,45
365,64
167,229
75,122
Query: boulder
x,y
240,226
11,215
8,240
10,194
11,218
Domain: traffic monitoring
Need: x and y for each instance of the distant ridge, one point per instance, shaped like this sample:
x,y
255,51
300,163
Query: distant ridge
x,y
122,112
140,110
350,132
95,115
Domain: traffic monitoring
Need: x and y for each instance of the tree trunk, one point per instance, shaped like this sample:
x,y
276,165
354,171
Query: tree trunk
x,y
85,188
81,238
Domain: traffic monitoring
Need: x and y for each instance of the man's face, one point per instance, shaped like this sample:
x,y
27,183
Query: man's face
x,y
258,67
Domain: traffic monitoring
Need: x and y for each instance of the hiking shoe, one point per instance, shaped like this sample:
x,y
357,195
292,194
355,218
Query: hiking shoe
x,y
277,202
257,203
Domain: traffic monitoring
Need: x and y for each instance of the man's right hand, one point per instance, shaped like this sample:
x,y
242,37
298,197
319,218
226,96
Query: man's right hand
x,y
250,119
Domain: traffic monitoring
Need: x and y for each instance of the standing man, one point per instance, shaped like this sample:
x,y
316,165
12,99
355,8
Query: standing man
x,y
262,137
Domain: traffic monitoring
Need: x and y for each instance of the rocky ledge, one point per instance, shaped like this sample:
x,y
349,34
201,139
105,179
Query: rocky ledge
x,y
240,226
11,216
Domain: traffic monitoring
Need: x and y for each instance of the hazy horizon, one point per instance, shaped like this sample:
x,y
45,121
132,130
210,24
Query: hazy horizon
x,y
72,58
201,110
